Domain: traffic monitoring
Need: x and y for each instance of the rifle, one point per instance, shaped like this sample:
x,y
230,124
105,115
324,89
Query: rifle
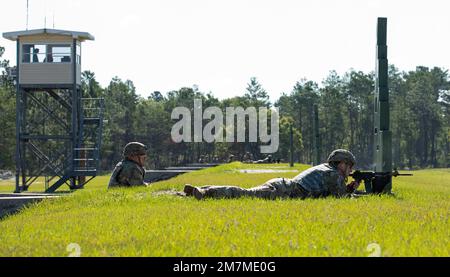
x,y
375,182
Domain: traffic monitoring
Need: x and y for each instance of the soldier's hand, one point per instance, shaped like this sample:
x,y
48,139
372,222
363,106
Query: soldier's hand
x,y
353,186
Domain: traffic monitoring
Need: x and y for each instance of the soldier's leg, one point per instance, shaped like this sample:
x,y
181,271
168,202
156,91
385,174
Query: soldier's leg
x,y
274,188
188,190
219,192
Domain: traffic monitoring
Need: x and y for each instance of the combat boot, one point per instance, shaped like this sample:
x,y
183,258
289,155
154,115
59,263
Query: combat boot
x,y
188,190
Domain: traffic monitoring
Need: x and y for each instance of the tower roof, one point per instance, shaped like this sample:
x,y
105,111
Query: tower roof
x,y
81,36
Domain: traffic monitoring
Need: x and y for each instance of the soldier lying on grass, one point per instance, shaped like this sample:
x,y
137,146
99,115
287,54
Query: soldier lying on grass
x,y
130,171
328,179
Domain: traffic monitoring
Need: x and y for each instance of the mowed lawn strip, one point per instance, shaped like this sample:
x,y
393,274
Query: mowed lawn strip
x,y
135,222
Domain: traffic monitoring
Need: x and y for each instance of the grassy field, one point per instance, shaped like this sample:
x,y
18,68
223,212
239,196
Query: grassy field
x,y
136,222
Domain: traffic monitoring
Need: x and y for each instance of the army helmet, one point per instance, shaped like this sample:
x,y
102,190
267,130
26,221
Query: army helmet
x,y
340,155
134,149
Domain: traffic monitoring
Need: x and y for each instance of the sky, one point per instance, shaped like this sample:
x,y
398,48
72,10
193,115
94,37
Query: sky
x,y
218,45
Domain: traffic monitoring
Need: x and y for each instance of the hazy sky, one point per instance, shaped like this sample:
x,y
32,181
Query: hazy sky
x,y
218,45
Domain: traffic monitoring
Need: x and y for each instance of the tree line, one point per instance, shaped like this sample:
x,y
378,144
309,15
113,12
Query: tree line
x,y
419,106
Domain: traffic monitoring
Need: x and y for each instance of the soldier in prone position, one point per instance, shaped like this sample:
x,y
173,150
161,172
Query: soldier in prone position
x,y
130,171
267,160
328,179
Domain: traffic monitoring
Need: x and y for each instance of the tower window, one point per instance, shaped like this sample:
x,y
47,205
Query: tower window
x,y
51,53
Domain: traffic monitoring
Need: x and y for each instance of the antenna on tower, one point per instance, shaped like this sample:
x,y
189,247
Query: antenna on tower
x,y
53,12
27,15
45,22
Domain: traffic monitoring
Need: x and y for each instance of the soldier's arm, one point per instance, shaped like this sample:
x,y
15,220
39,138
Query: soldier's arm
x,y
132,176
113,181
336,185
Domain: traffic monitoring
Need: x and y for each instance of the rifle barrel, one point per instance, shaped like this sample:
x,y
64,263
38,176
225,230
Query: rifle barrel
x,y
395,174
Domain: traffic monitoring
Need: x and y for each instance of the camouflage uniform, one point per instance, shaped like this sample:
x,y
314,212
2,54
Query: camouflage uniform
x,y
127,174
275,188
319,181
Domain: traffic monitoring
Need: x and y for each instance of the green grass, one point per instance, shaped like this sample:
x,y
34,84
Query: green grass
x,y
134,222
